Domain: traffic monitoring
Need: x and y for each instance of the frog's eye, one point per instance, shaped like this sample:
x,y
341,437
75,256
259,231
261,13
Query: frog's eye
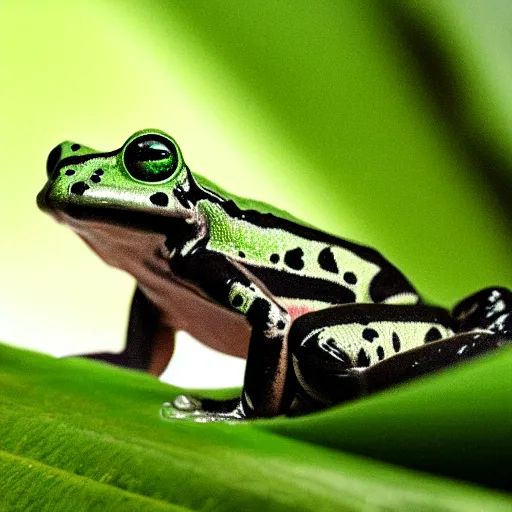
x,y
151,158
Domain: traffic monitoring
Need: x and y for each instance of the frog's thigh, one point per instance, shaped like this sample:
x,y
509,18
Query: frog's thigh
x,y
332,348
429,358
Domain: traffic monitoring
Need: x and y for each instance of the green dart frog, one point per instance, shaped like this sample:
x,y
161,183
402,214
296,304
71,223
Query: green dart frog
x,y
320,319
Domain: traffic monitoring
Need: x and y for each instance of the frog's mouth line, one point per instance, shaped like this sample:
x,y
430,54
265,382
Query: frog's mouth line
x,y
145,221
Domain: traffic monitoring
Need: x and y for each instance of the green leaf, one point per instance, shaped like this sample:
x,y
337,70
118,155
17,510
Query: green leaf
x,y
80,435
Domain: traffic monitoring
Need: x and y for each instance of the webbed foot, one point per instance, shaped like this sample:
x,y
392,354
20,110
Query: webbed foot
x,y
186,407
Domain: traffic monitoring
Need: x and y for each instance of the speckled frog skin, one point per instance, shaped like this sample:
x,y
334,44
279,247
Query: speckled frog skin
x,y
320,319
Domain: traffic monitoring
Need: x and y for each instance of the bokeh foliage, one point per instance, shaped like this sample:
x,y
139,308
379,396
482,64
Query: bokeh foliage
x,y
405,111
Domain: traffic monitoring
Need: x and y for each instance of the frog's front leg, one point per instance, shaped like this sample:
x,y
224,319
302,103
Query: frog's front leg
x,y
149,341
223,280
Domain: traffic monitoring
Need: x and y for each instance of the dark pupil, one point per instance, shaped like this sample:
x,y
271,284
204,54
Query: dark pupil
x,y
151,159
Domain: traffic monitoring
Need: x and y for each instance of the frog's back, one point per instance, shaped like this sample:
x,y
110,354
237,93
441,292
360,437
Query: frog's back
x,y
247,204
303,267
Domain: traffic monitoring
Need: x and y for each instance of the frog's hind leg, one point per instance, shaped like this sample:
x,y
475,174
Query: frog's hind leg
x,y
428,359
483,324
349,351
149,343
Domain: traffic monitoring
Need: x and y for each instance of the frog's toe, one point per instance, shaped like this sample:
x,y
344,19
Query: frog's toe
x,y
185,407
186,403
169,412
182,407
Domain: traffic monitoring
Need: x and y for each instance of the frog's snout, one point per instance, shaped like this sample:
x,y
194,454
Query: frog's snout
x,y
53,159
59,157
62,152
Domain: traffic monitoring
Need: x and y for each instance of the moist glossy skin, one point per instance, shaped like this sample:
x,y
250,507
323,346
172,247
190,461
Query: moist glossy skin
x,y
243,278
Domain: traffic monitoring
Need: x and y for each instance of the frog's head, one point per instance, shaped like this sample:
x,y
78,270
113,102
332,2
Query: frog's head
x,y
146,176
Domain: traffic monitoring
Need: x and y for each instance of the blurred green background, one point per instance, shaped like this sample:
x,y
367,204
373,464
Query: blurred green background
x,y
386,122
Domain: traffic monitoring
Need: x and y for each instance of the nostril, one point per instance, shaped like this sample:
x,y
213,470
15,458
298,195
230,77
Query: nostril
x,y
53,160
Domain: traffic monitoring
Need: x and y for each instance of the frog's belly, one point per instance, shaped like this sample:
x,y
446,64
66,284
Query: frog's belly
x,y
213,325
140,254
183,308
206,321
210,323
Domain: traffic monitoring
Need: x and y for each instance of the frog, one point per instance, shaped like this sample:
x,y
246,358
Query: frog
x,y
321,320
